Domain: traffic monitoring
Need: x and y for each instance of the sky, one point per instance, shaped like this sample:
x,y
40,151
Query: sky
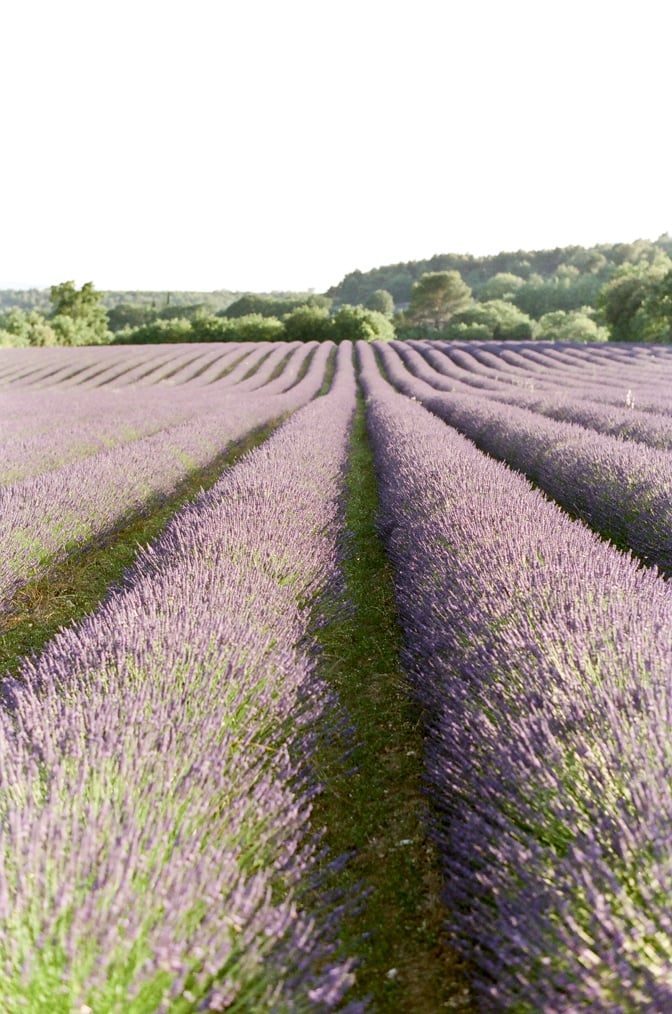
x,y
262,145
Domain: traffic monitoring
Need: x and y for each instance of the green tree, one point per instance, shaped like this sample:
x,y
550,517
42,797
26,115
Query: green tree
x,y
382,301
436,297
127,315
77,316
356,323
21,327
624,295
494,320
563,290
503,285
254,327
307,323
571,326
271,306
157,332
654,317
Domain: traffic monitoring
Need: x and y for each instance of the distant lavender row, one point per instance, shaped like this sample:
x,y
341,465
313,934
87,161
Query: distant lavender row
x,y
620,488
634,376
40,432
44,518
99,366
251,364
573,365
648,362
621,385
26,367
44,430
155,784
541,656
562,404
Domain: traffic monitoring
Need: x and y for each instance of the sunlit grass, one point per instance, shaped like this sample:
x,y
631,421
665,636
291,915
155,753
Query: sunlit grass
x,y
375,809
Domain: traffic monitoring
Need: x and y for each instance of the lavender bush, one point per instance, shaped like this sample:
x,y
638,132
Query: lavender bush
x,y
557,402
45,518
541,657
115,365
621,488
40,434
643,372
155,852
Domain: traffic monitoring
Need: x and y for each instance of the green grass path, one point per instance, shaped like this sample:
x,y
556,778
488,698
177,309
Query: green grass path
x,y
377,811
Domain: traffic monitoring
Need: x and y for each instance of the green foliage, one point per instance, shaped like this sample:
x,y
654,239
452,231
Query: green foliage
x,y
161,302
548,284
382,301
566,290
503,285
21,328
77,316
156,332
24,299
188,310
126,315
356,323
255,328
203,327
307,323
656,311
10,340
621,302
496,320
350,323
571,326
270,306
436,297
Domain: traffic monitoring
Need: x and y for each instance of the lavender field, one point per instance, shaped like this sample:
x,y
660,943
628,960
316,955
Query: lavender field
x,y
174,756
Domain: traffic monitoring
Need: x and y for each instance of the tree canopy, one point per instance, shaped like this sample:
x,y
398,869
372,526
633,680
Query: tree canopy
x,y
494,320
382,301
436,297
571,326
21,327
77,316
622,303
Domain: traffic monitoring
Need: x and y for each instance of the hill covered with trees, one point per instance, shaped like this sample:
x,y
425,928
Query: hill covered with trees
x,y
542,279
617,292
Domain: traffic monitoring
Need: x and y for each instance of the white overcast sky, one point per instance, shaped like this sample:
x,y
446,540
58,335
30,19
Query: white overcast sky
x,y
267,145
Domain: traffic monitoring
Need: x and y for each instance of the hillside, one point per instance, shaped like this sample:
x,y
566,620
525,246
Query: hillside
x,y
564,278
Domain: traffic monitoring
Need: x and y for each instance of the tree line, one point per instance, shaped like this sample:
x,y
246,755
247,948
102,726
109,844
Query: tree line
x,y
621,292
78,317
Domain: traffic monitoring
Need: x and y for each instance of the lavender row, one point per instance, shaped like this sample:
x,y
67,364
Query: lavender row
x,y
280,368
541,657
26,367
42,432
588,410
496,366
155,848
45,518
252,365
570,364
620,488
145,371
46,430
105,365
641,379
